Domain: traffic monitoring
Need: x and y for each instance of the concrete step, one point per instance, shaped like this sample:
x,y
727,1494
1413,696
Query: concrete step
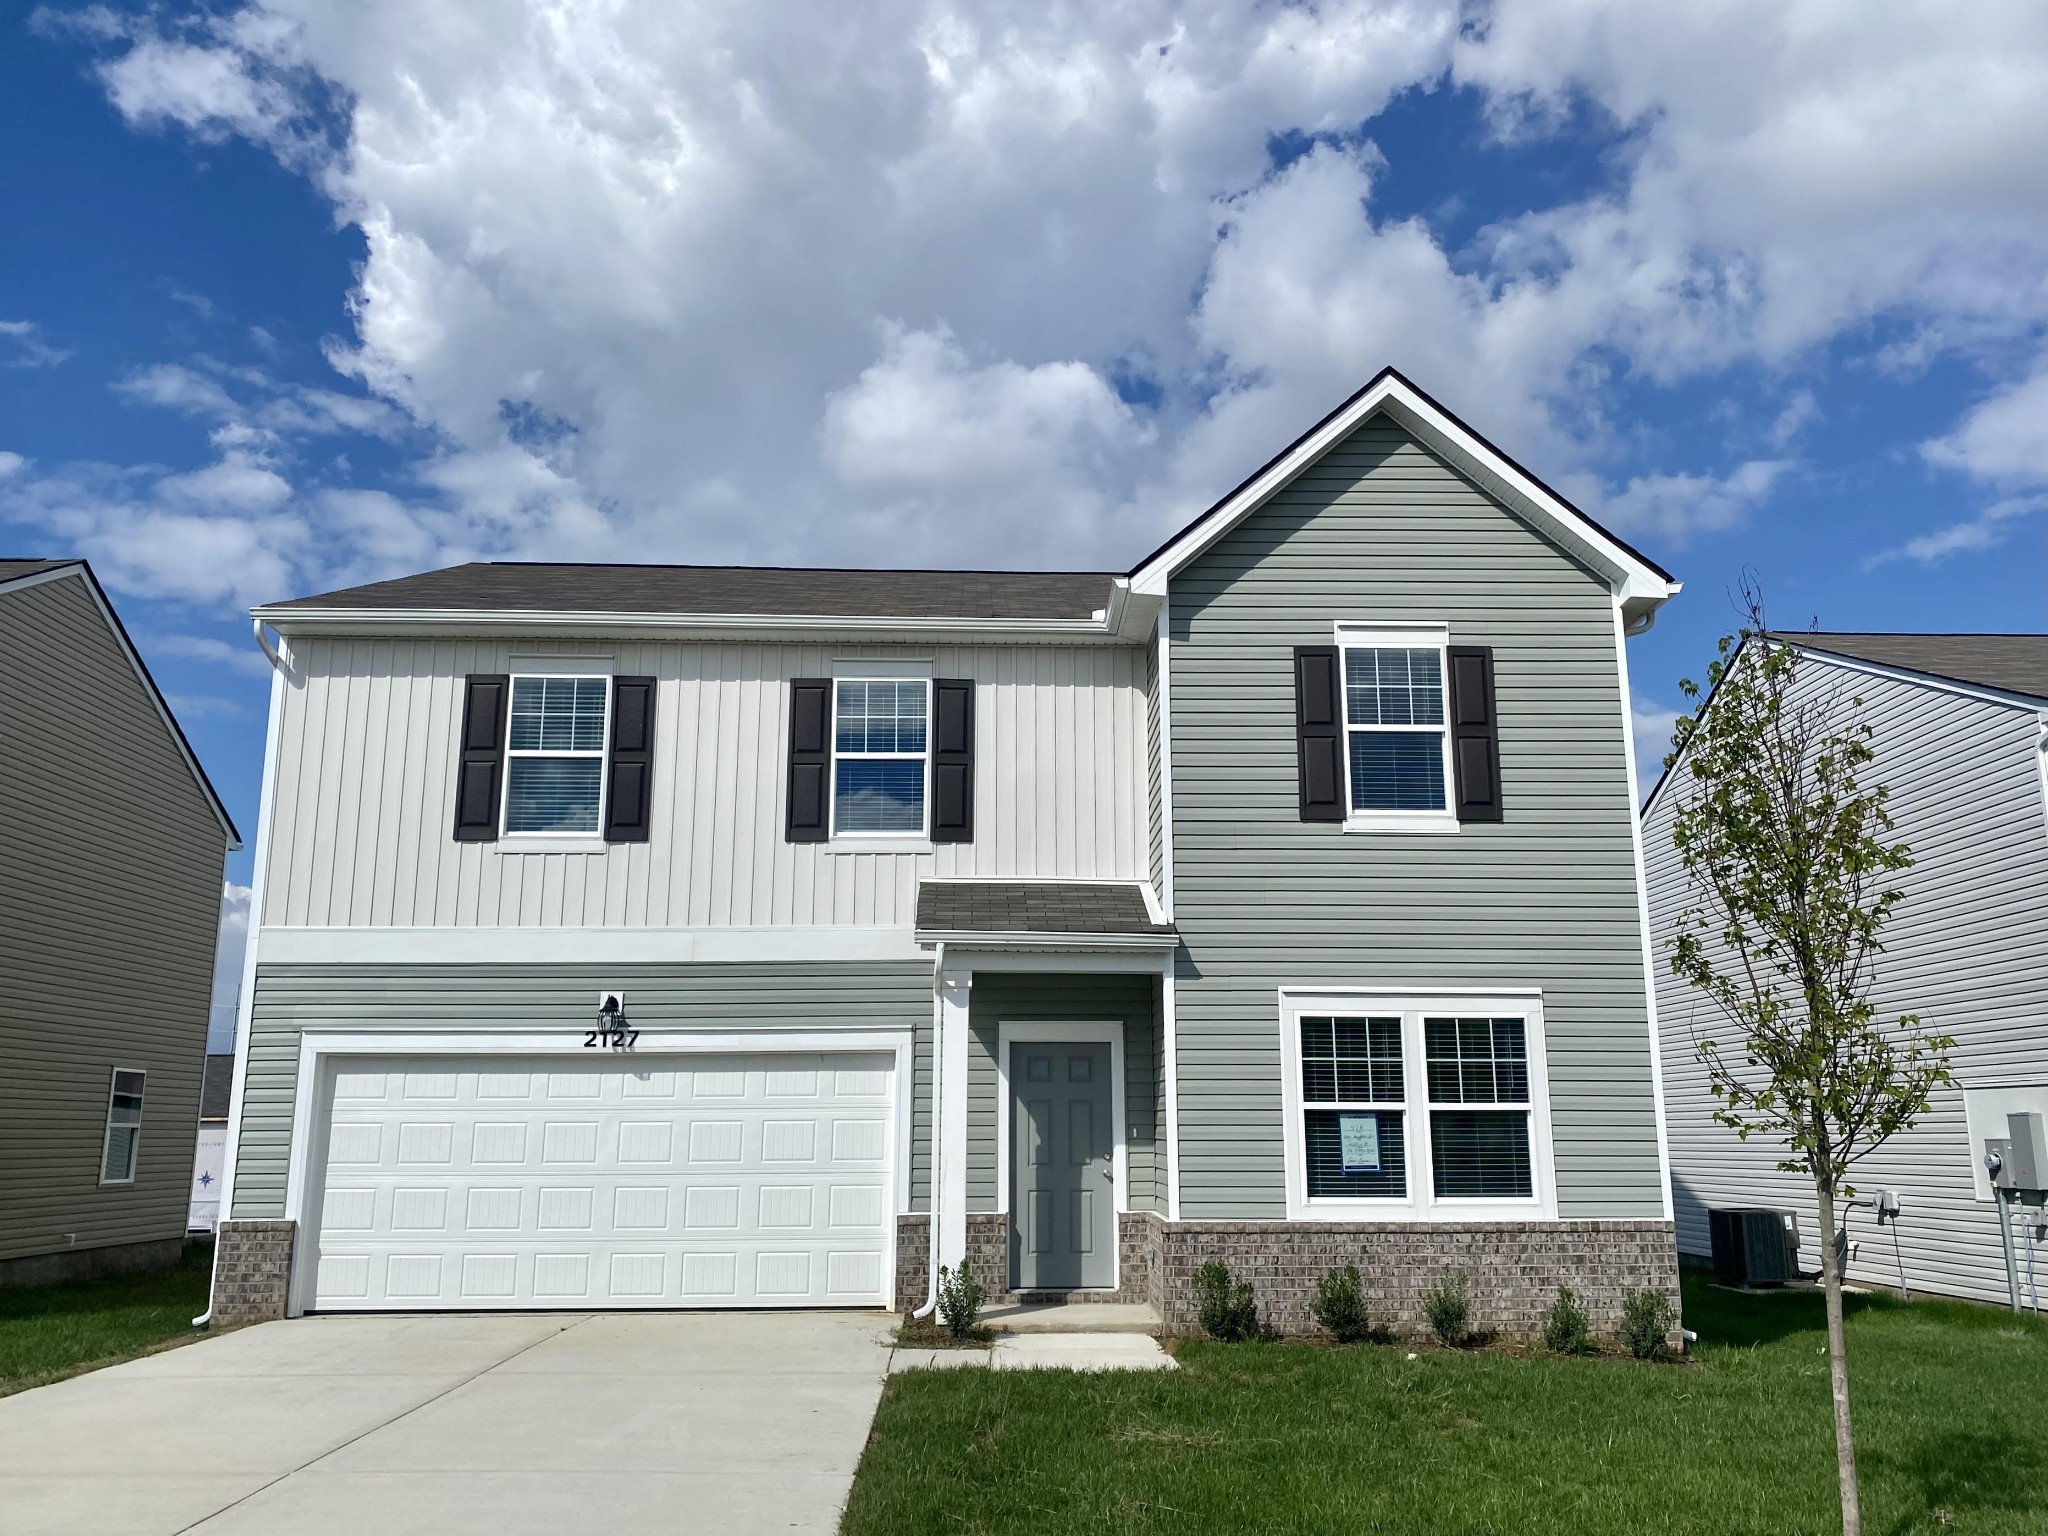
x,y
1072,1317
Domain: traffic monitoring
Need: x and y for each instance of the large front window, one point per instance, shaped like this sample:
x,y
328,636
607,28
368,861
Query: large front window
x,y
554,759
1408,1107
879,746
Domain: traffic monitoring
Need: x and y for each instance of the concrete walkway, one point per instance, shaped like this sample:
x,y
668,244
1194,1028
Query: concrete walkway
x,y
621,1423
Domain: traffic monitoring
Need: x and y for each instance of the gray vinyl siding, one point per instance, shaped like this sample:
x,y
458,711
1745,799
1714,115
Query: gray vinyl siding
x,y
421,999
110,886
1967,950
1381,530
1002,997
361,824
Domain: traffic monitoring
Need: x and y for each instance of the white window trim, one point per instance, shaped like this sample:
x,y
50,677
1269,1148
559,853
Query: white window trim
x,y
907,841
556,842
1063,1031
107,1129
1422,1203
1414,637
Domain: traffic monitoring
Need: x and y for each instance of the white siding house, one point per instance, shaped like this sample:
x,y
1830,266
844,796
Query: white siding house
x,y
1960,728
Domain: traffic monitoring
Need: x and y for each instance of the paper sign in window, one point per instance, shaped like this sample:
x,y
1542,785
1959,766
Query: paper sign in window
x,y
1360,1139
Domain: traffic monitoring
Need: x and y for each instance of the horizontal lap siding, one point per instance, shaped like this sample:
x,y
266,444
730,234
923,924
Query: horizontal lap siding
x,y
1003,997
423,999
1379,530
110,882
363,813
1967,950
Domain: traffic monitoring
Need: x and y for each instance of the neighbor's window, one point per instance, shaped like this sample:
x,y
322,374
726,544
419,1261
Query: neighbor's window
x,y
1352,1098
1478,1153
879,742
1394,728
554,758
124,1127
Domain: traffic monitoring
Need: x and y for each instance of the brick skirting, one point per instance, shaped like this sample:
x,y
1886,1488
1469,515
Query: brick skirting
x,y
252,1271
1514,1268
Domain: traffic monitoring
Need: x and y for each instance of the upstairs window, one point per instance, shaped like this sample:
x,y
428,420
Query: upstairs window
x,y
1396,744
124,1127
880,747
554,755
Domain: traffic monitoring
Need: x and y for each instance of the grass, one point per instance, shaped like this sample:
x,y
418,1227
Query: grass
x,y
1951,1405
55,1331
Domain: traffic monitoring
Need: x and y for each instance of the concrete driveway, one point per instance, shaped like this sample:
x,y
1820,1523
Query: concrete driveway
x,y
669,1422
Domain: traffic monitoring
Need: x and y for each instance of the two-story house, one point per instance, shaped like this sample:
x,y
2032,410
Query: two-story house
x,y
653,936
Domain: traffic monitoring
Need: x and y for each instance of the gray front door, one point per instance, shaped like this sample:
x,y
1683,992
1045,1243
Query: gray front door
x,y
1063,1190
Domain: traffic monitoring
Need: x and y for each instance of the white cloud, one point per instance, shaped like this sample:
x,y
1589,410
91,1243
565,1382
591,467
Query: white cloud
x,y
227,966
630,266
25,349
245,659
10,463
2004,439
1652,724
1987,530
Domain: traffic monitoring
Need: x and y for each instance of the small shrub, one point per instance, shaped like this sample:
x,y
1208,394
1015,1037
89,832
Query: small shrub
x,y
1565,1330
1340,1305
1448,1306
960,1297
1225,1307
1646,1319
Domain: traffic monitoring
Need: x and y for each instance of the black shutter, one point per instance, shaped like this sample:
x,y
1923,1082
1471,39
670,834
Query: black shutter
x,y
631,768
1319,732
952,760
808,818
1475,733
479,780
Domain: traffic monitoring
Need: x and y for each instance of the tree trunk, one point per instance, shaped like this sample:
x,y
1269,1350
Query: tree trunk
x,y
1838,1364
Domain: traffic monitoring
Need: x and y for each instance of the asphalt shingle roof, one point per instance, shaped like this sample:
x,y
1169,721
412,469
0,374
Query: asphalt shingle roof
x,y
731,589
1034,906
2010,663
10,570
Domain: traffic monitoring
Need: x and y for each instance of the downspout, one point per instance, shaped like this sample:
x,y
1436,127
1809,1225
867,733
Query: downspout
x,y
245,1003
931,1284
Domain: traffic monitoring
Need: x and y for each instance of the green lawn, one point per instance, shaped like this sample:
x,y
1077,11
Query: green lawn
x,y
1951,1408
60,1330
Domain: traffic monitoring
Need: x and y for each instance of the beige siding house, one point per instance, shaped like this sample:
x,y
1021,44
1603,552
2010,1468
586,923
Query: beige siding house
x,y
111,850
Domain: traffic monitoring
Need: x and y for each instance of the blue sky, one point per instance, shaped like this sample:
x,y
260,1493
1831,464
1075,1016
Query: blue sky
x,y
314,293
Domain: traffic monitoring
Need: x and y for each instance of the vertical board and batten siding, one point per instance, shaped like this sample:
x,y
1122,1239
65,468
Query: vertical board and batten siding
x,y
421,999
110,886
1967,950
1001,997
364,795
1380,529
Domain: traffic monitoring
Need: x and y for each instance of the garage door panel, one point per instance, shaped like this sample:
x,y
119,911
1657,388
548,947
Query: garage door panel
x,y
726,1180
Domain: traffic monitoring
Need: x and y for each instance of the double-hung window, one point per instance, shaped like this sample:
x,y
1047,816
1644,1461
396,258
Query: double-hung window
x,y
880,748
124,1127
1411,1107
1396,744
554,755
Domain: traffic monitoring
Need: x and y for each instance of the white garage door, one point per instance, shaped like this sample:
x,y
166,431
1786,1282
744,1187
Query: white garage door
x,y
738,1181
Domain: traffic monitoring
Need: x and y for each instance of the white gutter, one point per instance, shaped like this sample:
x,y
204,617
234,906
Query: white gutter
x,y
985,939
1100,624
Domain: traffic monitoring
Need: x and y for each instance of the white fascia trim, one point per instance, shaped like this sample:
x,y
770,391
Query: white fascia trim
x,y
1165,642
1635,830
596,946
1145,962
318,1049
476,621
1421,1205
1091,1032
245,1003
1066,942
1482,464
83,572
1977,691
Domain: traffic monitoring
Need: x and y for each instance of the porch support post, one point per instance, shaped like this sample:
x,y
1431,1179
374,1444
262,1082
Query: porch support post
x,y
950,1234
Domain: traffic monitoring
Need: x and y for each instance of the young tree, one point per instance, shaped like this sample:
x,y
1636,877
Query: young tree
x,y
1793,883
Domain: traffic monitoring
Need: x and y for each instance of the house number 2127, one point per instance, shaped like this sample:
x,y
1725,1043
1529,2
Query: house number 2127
x,y
612,1032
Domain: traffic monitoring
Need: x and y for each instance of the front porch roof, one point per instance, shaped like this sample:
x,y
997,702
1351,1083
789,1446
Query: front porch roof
x,y
1040,914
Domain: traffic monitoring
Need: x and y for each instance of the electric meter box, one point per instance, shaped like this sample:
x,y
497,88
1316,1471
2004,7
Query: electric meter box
x,y
2026,1157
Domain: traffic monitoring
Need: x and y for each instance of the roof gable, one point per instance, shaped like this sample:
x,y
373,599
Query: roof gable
x,y
21,575
2014,664
1642,584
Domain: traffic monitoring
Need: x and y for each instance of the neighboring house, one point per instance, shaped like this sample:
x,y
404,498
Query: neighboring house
x,y
1277,900
111,851
1960,727
211,1154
